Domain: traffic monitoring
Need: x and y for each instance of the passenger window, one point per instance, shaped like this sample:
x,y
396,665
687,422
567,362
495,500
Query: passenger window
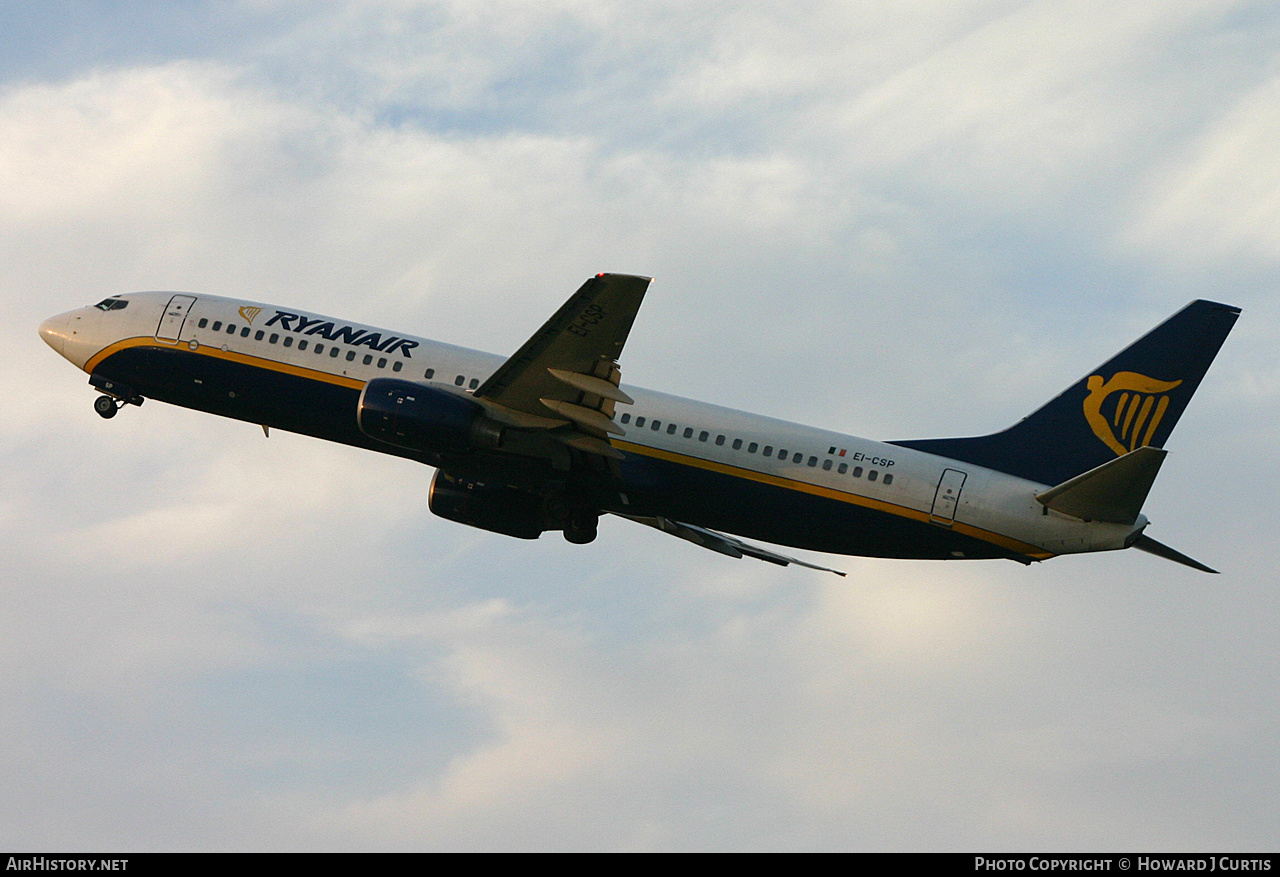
x,y
656,425
857,471
475,382
719,440
813,461
751,448
399,364
319,348
671,429
259,335
368,358
703,436
782,455
217,325
888,478
351,356
204,321
244,333
333,352
871,476
382,362
842,468
231,328
274,338
688,432
768,450
737,444
797,457
459,381
429,373
826,465
626,418
288,341
640,422
302,345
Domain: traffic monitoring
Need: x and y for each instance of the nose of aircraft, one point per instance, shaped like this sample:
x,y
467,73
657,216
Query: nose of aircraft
x,y
54,332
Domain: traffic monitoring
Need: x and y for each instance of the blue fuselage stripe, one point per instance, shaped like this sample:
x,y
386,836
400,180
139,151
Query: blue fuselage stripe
x,y
690,491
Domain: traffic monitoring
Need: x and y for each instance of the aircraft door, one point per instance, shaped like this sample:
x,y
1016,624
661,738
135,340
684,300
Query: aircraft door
x,y
175,314
947,497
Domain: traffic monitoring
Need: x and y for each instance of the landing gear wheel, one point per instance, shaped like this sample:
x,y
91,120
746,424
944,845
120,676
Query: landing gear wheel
x,y
580,528
106,407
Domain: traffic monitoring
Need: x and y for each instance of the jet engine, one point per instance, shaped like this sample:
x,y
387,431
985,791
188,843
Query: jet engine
x,y
423,418
499,509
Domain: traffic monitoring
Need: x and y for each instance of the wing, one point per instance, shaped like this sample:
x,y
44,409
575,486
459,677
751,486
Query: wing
x,y
721,543
565,378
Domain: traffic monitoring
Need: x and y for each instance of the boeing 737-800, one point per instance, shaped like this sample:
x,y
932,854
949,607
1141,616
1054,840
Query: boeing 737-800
x,y
549,439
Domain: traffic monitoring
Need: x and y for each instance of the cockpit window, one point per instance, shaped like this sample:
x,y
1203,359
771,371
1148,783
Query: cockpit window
x,y
111,304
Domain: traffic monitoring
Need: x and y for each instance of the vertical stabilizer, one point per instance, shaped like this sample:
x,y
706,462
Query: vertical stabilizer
x,y
1132,401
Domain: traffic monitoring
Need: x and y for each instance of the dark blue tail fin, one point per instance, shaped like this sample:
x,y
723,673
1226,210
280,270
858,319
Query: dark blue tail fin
x,y
1134,400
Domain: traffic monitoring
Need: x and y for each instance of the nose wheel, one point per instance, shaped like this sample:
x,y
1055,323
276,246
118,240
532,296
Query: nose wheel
x,y
115,397
107,406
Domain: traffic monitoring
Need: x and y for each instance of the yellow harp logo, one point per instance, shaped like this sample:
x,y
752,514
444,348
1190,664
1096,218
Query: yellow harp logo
x,y
1129,420
250,314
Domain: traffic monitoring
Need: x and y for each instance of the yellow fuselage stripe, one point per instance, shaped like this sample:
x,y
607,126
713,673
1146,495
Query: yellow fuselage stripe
x,y
231,356
671,457
830,493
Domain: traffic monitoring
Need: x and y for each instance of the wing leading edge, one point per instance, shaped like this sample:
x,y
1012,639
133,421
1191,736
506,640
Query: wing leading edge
x,y
565,378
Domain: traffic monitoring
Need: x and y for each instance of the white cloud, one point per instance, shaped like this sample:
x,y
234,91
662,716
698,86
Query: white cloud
x,y
1219,202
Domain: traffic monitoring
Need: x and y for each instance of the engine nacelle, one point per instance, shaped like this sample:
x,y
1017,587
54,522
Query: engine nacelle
x,y
424,418
502,510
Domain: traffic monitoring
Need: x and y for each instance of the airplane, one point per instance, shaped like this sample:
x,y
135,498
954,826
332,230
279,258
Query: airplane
x,y
549,439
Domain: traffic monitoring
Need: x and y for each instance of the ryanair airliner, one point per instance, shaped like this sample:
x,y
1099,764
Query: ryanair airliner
x,y
549,439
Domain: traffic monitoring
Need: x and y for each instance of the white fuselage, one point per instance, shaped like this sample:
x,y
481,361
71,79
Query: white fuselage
x,y
990,506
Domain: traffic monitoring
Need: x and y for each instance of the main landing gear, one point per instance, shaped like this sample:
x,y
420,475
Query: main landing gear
x,y
580,526
573,516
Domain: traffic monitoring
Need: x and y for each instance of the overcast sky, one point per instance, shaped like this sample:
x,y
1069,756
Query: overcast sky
x,y
894,219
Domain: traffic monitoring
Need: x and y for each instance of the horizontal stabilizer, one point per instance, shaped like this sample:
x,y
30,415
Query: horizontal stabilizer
x,y
1113,492
721,543
1151,546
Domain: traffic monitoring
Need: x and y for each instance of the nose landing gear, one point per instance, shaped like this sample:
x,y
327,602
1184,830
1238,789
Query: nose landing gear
x,y
115,397
107,406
